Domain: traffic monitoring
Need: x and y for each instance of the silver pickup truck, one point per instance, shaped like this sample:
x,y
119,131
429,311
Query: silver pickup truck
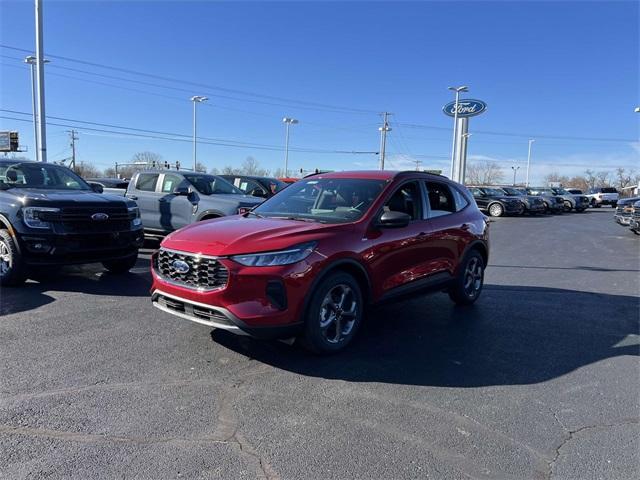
x,y
170,199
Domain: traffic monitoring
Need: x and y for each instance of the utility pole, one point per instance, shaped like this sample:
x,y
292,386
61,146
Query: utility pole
x,y
418,162
531,140
73,138
383,137
42,129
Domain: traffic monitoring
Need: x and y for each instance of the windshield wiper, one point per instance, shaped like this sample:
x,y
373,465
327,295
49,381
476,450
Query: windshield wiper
x,y
301,219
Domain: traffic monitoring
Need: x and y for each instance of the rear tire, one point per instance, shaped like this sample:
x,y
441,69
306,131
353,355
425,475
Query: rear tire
x,y
467,287
122,265
334,314
12,269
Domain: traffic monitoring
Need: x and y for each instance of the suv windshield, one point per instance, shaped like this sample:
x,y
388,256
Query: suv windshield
x,y
512,192
39,175
493,192
329,200
560,191
210,184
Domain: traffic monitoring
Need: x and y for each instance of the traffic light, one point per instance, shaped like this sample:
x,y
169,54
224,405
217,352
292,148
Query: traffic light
x,y
177,164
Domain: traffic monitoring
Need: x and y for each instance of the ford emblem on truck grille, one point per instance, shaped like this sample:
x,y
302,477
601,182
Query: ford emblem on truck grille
x,y
180,266
99,217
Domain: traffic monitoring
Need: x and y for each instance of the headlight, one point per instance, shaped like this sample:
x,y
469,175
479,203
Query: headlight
x,y
35,217
282,257
134,214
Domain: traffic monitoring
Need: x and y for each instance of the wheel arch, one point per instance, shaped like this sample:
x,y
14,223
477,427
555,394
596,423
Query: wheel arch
x,y
5,224
346,265
209,214
480,247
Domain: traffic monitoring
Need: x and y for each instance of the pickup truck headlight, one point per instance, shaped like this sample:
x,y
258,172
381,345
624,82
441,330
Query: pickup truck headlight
x,y
134,213
281,257
33,217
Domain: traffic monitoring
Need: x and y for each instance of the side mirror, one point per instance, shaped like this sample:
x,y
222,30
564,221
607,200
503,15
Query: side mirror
x,y
96,187
182,191
393,219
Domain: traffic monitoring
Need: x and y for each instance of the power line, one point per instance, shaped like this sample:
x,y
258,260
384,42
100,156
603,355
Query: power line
x,y
527,135
202,85
177,137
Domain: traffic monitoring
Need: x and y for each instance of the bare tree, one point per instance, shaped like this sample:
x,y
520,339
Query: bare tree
x,y
87,170
484,173
252,167
150,158
555,177
602,179
578,181
590,178
201,167
229,170
624,178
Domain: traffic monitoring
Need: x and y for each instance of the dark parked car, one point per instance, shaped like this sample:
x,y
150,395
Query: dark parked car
x,y
170,199
49,216
116,186
635,220
308,261
532,204
263,187
552,203
495,202
571,201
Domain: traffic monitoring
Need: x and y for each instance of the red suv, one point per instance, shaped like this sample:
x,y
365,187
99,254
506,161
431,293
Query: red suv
x,y
307,262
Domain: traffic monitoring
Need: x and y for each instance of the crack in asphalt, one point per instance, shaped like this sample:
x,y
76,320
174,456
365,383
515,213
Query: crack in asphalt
x,y
571,434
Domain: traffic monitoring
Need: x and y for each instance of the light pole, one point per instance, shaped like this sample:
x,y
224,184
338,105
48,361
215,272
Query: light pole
x,y
42,120
31,60
196,99
515,169
287,122
457,90
531,140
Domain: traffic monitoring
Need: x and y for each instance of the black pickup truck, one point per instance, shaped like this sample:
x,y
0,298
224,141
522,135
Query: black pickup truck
x,y
49,216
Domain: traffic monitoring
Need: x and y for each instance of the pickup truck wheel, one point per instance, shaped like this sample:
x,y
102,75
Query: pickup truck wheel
x,y
496,210
468,285
334,314
122,265
12,270
567,206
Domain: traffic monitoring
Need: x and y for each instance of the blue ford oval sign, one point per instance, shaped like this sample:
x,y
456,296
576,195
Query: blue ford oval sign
x,y
180,266
467,107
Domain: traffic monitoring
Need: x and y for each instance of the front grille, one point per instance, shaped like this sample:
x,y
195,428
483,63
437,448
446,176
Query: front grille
x,y
78,219
204,273
195,311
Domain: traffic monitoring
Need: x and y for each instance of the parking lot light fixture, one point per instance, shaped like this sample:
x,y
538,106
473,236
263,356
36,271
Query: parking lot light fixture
x,y
515,170
196,99
457,90
287,122
531,140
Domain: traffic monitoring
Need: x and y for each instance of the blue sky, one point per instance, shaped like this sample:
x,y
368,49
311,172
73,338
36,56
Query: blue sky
x,y
544,69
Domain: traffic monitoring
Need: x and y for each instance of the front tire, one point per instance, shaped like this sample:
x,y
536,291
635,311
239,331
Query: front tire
x,y
496,210
12,269
334,314
468,285
122,265
567,206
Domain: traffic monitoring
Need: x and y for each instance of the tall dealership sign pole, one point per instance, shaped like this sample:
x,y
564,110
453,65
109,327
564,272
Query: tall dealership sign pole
x,y
41,133
461,111
457,91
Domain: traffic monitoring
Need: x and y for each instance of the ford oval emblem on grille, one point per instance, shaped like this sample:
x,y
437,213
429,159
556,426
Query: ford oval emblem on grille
x,y
180,266
99,217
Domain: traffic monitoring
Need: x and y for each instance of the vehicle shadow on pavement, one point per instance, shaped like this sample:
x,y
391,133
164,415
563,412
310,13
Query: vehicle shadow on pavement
x,y
513,335
89,279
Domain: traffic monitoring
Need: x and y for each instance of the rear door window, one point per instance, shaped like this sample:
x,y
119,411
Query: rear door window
x,y
406,199
170,182
441,199
147,182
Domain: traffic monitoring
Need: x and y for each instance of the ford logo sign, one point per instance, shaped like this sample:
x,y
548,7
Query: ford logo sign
x,y
99,217
466,108
180,266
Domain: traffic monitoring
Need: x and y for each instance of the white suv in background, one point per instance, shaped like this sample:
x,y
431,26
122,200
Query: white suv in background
x,y
603,196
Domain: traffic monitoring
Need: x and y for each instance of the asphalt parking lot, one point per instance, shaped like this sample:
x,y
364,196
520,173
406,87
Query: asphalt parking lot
x,y
540,379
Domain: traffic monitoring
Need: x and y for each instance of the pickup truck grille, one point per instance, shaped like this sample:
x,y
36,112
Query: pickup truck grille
x,y
79,219
203,273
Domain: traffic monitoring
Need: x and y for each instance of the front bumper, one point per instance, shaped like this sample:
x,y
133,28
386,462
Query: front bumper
x,y
265,302
535,207
624,220
48,248
513,208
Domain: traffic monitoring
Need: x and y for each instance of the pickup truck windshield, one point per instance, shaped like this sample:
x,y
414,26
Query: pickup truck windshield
x,y
211,184
38,175
512,192
325,200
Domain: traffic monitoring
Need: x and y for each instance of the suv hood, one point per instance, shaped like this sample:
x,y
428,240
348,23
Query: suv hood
x,y
63,197
236,234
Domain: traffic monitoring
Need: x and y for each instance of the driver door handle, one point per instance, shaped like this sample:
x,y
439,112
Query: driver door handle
x,y
132,197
